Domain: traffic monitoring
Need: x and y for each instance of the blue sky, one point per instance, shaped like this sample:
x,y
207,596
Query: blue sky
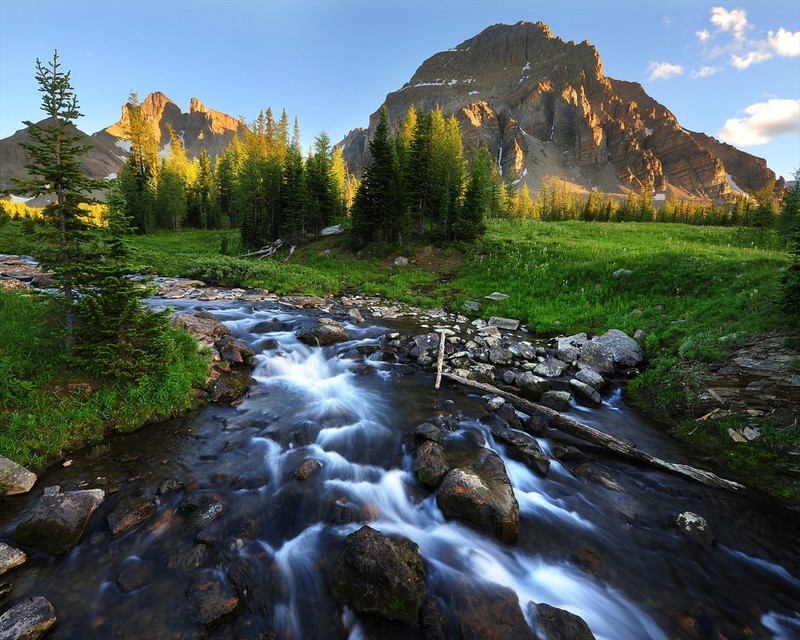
x,y
731,70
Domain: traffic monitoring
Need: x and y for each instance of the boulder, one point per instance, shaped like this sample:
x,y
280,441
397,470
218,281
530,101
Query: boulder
x,y
569,348
597,356
59,519
625,350
202,324
585,393
551,368
136,574
325,332
482,497
232,350
531,385
28,619
430,464
129,512
697,528
10,557
307,469
523,448
14,478
589,376
381,575
523,351
558,400
557,624
199,510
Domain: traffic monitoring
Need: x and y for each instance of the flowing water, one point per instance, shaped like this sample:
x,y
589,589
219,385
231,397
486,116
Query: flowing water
x,y
614,558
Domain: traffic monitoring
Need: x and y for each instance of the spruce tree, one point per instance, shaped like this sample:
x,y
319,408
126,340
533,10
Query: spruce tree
x,y
55,150
790,217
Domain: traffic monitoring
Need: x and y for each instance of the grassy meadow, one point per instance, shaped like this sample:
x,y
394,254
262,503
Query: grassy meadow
x,y
697,292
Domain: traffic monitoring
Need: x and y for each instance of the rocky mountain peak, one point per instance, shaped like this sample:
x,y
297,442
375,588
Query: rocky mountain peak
x,y
196,106
546,110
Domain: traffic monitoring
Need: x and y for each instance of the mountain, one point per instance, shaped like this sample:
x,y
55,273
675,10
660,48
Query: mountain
x,y
545,110
201,128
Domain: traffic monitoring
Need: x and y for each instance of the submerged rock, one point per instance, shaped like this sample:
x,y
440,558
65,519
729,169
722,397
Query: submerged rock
x,y
59,519
129,512
212,601
485,611
28,619
381,575
697,528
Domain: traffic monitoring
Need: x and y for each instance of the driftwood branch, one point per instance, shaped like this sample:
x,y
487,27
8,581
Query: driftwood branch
x,y
440,362
589,434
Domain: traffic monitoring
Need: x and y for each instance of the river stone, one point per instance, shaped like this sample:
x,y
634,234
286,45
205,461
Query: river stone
x,y
377,574
697,528
59,519
558,400
202,324
569,348
14,478
28,619
531,385
557,624
499,355
504,323
129,512
430,464
625,350
589,376
523,448
538,424
10,557
428,431
136,574
325,332
307,469
486,611
523,351
232,350
598,357
482,497
584,392
199,511
188,559
212,601
551,368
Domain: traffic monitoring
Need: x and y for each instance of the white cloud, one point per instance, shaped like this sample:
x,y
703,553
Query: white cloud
x,y
663,70
703,35
704,72
734,21
785,43
763,122
754,57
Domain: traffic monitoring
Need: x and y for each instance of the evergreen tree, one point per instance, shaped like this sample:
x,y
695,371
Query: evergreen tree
x,y
322,189
342,181
790,216
55,152
469,223
140,176
200,208
120,338
294,192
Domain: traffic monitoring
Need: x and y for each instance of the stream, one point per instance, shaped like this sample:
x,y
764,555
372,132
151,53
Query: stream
x,y
616,559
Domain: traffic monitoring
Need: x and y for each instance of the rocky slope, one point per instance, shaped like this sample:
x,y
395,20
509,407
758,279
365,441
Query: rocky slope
x,y
546,110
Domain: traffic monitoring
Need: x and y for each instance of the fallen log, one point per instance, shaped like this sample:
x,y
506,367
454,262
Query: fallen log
x,y
589,434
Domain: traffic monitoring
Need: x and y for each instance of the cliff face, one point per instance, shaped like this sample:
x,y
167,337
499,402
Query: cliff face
x,y
545,109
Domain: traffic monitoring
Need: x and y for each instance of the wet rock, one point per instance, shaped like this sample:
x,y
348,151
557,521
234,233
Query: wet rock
x,y
202,324
136,574
523,448
355,316
307,469
199,511
129,512
499,355
585,393
325,332
589,376
482,497
558,400
226,384
27,620
433,620
430,464
538,424
59,519
381,575
485,611
551,368
523,351
626,352
597,356
531,385
697,528
212,601
566,452
14,478
10,557
232,350
568,349
428,431
557,624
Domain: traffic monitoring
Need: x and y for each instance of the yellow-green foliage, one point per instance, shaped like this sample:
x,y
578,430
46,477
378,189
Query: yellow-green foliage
x,y
95,213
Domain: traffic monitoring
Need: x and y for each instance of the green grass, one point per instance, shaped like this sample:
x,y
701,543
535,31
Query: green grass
x,y
49,407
